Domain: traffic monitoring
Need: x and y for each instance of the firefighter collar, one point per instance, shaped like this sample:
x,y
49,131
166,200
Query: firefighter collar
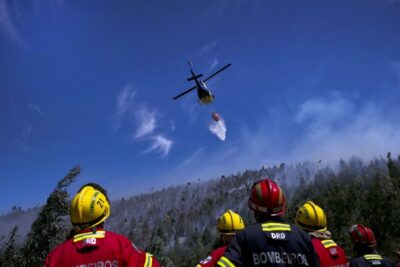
x,y
82,236
276,230
89,239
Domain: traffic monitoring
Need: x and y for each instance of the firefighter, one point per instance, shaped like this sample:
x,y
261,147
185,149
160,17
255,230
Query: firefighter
x,y
365,248
90,244
312,219
227,225
271,241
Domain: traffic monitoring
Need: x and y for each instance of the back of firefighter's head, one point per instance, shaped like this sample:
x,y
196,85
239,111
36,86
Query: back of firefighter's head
x,y
228,224
363,238
90,206
311,217
267,200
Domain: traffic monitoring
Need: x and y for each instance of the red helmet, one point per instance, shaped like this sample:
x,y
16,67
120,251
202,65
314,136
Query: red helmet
x,y
362,235
267,198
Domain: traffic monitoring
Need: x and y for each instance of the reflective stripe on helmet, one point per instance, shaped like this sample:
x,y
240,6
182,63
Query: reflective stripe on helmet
x,y
233,222
280,198
260,188
93,201
268,198
89,208
98,234
225,262
311,217
257,207
328,243
362,235
271,227
230,222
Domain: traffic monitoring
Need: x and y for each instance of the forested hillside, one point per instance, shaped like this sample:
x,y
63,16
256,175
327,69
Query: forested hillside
x,y
358,193
18,217
177,224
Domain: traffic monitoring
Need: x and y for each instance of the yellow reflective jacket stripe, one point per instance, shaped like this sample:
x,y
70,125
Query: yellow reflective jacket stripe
x,y
372,257
149,261
328,243
275,224
225,262
98,234
277,229
269,227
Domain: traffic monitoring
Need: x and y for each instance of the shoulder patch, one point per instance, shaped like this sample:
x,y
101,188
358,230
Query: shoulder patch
x,y
328,243
206,260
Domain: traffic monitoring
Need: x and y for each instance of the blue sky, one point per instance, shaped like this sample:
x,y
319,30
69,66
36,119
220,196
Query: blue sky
x,y
91,83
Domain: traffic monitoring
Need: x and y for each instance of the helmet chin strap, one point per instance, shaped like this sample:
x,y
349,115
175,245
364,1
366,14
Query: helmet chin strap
x,y
263,217
364,249
79,227
76,229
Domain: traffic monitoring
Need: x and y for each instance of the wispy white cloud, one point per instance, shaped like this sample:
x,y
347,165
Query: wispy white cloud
x,y
160,144
147,122
22,142
36,108
124,99
191,158
173,128
207,47
28,129
124,105
11,18
214,63
143,120
7,24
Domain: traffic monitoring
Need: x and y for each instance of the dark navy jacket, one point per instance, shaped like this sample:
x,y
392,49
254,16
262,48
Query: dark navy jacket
x,y
270,244
371,260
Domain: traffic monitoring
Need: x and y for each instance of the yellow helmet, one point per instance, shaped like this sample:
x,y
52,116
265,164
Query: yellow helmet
x,y
89,208
311,217
230,222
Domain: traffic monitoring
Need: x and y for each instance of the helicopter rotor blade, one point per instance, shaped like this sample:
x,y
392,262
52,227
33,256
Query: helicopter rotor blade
x,y
218,71
183,93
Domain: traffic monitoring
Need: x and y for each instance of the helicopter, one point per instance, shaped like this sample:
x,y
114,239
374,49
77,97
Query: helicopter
x,y
204,94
